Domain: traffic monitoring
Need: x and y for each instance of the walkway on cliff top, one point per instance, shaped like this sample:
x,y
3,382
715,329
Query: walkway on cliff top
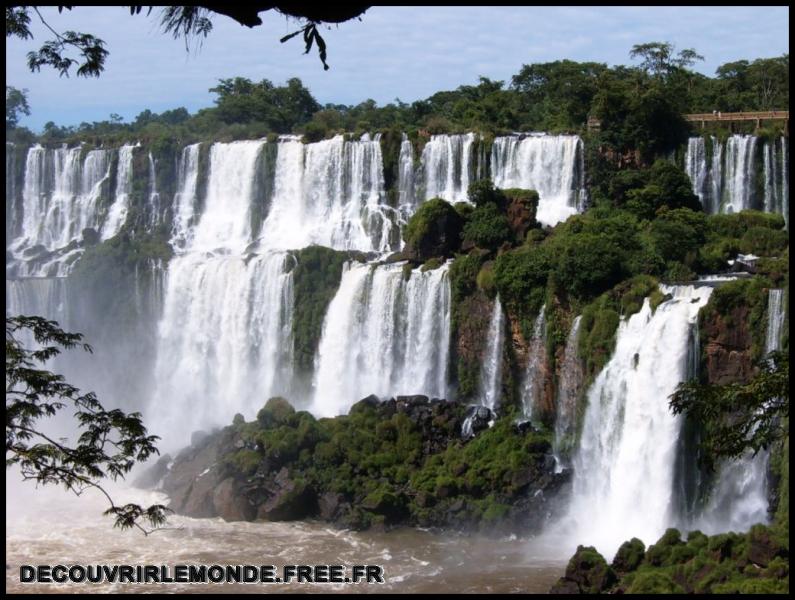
x,y
768,115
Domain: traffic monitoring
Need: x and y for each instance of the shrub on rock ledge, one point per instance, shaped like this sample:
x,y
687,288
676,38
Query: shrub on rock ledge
x,y
433,231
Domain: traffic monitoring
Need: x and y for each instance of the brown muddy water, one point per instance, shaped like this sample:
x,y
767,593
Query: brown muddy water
x,y
46,526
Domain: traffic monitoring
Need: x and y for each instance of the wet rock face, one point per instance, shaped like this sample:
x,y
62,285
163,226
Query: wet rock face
x,y
728,348
521,212
288,499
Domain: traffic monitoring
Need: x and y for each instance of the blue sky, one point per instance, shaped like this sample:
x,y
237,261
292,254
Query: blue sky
x,y
403,52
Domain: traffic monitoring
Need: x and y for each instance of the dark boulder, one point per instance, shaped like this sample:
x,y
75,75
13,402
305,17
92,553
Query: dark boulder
x,y
629,556
290,499
588,571
230,504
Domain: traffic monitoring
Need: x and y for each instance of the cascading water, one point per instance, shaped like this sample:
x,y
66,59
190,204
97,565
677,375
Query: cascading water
x,y
117,212
446,167
406,196
739,497
740,173
60,198
770,166
224,340
11,190
184,206
226,221
533,382
727,182
785,180
153,214
775,320
330,193
624,466
383,335
696,169
716,177
569,387
491,370
44,297
549,164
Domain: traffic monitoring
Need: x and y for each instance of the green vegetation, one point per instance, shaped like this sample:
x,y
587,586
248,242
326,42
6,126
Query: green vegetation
x,y
736,418
639,107
487,227
433,231
316,277
754,562
378,459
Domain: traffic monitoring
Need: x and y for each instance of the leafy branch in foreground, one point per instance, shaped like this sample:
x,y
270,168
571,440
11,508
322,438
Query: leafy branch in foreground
x,y
738,417
110,441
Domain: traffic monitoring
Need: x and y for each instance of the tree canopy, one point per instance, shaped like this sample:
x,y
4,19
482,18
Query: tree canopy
x,y
189,22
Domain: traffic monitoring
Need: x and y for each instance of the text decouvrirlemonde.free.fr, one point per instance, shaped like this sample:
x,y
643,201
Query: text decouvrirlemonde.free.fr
x,y
201,574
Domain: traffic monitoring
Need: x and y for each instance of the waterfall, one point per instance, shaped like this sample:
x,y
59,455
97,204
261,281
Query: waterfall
x,y
225,333
716,177
624,466
329,193
11,191
775,320
446,167
696,168
383,335
549,164
739,183
406,197
184,206
42,297
223,341
491,369
785,181
121,204
60,198
533,383
571,374
769,167
727,183
226,221
153,216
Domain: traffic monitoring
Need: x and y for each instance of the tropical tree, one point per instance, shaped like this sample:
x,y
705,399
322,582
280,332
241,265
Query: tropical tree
x,y
16,105
110,442
736,418
190,22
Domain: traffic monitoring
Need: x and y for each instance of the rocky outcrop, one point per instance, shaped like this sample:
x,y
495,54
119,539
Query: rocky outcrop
x,y
433,231
199,485
286,466
586,573
469,343
521,211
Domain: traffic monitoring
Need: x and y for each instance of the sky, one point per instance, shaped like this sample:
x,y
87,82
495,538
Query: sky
x,y
393,52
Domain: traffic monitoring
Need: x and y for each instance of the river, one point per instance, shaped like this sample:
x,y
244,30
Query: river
x,y
47,526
